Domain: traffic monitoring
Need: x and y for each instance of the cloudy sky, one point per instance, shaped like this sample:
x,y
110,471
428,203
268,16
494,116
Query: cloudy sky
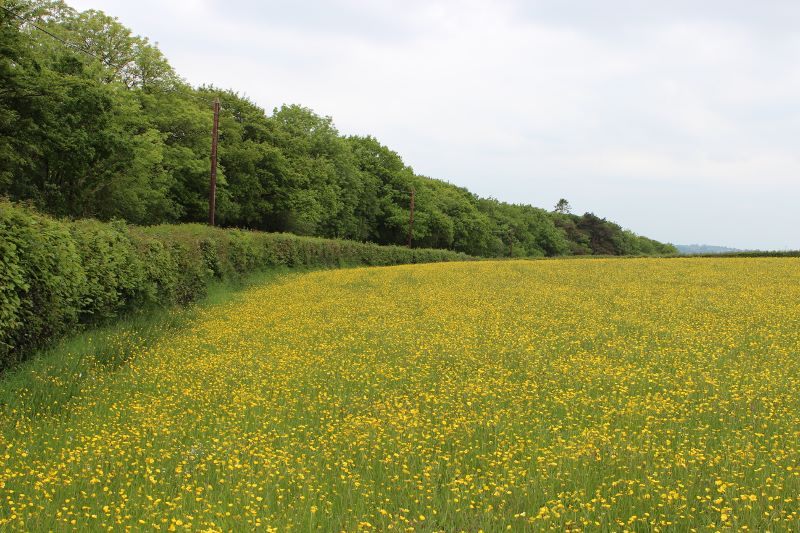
x,y
679,120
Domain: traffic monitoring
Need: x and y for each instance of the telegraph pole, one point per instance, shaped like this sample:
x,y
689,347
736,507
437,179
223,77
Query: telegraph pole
x,y
411,219
212,194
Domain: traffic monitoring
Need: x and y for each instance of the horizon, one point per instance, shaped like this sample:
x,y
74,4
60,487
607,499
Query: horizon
x,y
674,121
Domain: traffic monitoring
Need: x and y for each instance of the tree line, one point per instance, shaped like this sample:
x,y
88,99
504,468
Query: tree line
x,y
94,122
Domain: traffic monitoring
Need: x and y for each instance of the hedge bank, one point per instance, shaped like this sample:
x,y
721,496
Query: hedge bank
x,y
57,276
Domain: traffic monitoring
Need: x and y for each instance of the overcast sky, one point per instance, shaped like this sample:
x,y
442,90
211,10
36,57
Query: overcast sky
x,y
677,119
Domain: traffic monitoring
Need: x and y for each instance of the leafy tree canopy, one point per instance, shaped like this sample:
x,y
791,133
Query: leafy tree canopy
x,y
94,122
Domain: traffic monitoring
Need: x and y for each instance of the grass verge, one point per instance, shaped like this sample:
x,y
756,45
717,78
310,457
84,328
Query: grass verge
x,y
54,377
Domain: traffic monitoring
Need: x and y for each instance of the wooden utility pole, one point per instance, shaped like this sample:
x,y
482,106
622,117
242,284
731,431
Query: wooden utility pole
x,y
411,219
212,193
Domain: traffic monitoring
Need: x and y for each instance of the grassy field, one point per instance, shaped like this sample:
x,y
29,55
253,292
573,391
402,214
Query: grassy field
x,y
591,395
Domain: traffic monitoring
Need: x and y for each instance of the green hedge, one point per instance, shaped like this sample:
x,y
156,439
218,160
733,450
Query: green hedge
x,y
59,276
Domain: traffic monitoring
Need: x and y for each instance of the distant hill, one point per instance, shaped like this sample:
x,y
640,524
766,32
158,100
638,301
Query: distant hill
x,y
691,249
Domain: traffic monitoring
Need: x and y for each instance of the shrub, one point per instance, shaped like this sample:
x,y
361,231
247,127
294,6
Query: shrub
x,y
58,276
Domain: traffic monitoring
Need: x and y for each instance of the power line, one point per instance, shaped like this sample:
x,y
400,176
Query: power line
x,y
198,98
74,46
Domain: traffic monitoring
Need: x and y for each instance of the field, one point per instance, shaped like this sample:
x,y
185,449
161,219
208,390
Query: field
x,y
581,395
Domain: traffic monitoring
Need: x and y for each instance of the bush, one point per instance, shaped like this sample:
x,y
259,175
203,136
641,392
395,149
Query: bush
x,y
59,276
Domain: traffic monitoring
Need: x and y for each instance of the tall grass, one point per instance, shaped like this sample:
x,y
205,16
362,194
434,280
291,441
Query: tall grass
x,y
604,395
53,378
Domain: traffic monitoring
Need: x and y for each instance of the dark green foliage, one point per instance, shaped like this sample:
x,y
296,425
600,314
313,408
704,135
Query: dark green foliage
x,y
126,138
590,234
58,276
110,262
45,291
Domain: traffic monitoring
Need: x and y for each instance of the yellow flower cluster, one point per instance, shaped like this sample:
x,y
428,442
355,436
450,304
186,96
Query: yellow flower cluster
x,y
566,395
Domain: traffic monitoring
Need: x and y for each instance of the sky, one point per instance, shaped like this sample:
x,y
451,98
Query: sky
x,y
679,120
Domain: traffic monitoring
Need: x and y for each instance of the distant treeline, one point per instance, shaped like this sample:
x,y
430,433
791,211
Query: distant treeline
x,y
695,249
748,253
94,122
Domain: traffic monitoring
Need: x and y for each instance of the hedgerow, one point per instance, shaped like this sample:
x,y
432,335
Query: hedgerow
x,y
59,276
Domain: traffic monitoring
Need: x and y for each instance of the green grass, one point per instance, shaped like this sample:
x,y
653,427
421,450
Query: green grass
x,y
604,395
53,378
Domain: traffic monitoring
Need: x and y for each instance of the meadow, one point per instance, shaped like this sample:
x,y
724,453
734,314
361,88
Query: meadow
x,y
563,395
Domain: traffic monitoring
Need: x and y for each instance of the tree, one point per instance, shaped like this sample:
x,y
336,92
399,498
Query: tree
x,y
19,108
563,207
102,126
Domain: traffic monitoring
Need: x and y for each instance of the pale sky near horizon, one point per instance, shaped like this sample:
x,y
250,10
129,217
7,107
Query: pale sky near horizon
x,y
679,120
